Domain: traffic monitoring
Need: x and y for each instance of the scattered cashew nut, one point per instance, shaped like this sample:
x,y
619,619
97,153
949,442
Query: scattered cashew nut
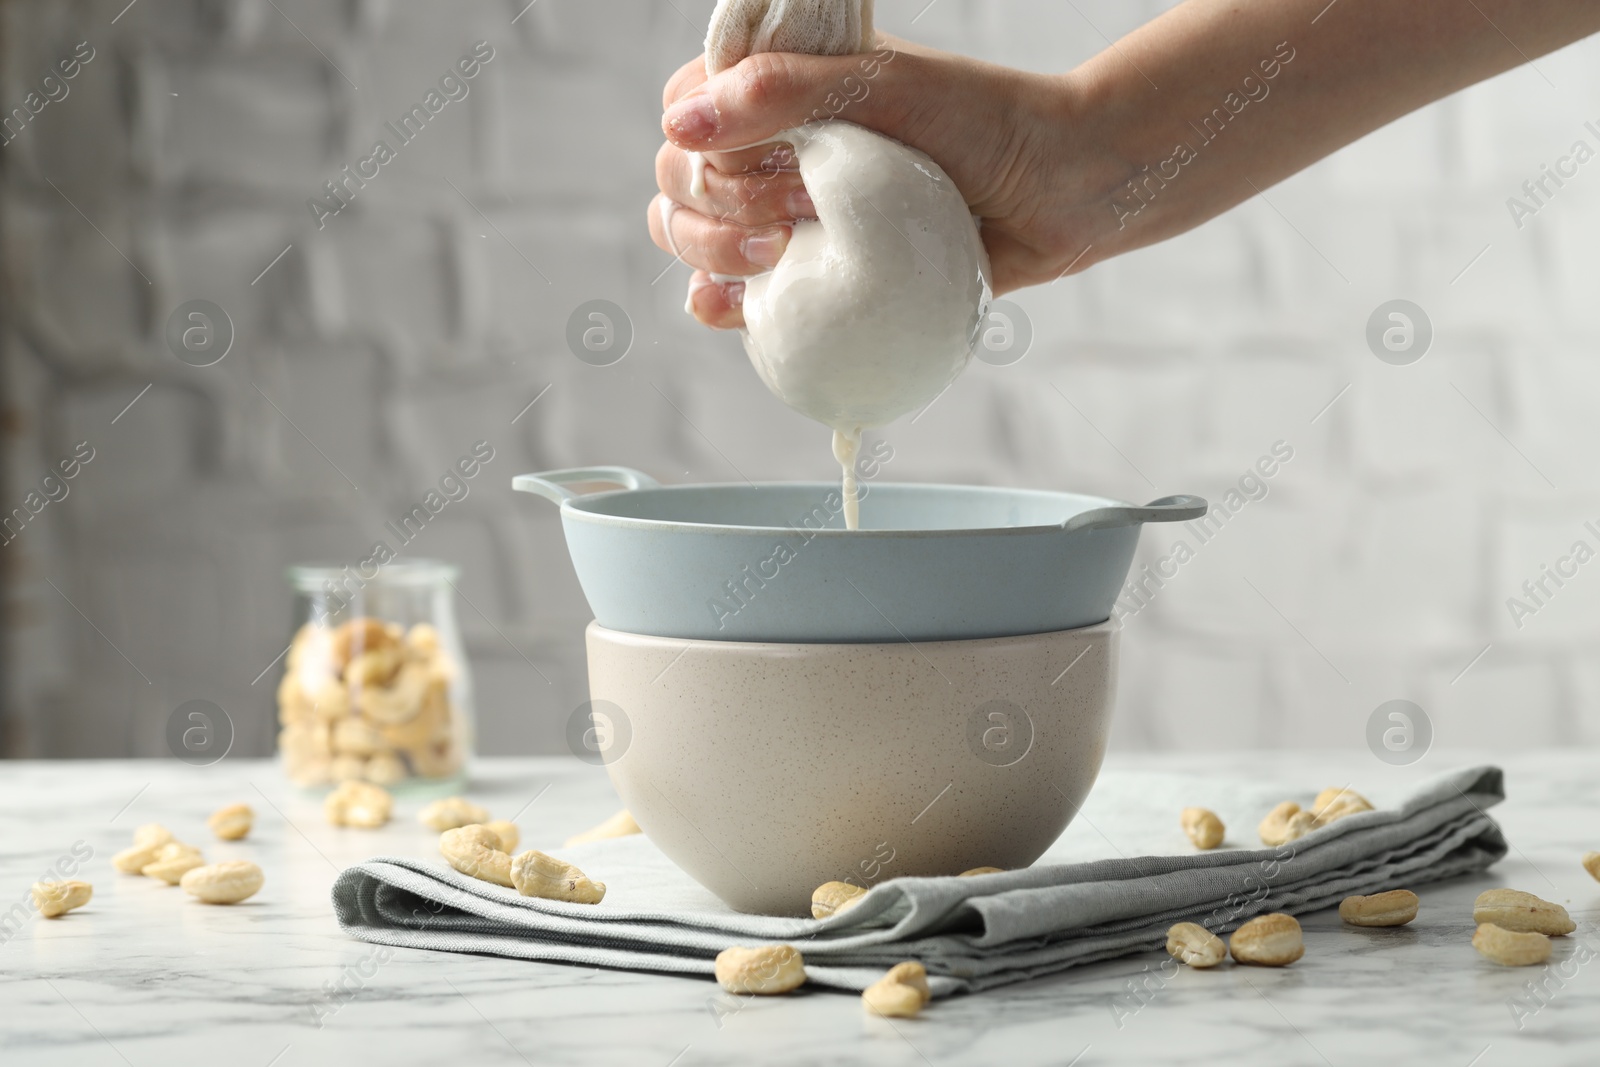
x,y
1511,948
450,813
1205,830
147,841
619,825
1519,912
1591,863
765,969
1274,829
173,860
232,822
1332,805
536,874
359,804
1193,944
506,831
1286,823
224,883
835,898
55,899
1268,940
475,851
900,994
1394,908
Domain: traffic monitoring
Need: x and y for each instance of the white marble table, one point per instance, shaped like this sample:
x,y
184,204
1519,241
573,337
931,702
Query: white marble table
x,y
145,975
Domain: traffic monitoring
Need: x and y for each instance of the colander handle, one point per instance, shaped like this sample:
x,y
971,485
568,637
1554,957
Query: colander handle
x,y
1177,508
552,485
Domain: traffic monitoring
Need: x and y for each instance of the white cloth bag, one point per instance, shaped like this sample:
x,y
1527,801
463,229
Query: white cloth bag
x,y
741,28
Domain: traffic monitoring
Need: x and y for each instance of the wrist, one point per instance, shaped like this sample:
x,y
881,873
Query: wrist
x,y
1107,120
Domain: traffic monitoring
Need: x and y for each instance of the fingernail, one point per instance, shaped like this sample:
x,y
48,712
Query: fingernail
x,y
800,206
733,293
764,249
693,120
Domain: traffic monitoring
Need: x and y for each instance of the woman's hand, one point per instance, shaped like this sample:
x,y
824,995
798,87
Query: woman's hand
x,y
1067,170
1002,135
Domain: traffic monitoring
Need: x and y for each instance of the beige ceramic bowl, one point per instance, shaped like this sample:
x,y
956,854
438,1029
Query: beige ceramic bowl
x,y
765,770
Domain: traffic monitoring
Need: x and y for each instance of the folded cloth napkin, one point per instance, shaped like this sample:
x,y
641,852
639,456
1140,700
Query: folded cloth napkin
x,y
971,933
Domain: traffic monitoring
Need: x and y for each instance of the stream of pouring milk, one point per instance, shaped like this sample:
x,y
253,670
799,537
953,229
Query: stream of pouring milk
x,y
846,446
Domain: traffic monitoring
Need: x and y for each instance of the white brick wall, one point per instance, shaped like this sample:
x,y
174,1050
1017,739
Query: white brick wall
x,y
411,326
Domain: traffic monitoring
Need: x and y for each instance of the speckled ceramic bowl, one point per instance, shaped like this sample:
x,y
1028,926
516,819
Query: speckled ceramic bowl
x,y
765,770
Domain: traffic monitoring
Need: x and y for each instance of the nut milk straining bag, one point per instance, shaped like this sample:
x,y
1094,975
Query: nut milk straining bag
x,y
741,28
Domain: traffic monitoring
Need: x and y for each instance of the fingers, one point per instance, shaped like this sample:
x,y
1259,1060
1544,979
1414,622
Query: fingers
x,y
754,198
757,159
686,79
716,246
719,305
775,91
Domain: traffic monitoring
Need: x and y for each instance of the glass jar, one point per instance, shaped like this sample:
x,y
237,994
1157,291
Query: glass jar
x,y
375,686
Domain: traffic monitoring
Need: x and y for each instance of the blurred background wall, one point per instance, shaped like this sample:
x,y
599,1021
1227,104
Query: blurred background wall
x,y
425,316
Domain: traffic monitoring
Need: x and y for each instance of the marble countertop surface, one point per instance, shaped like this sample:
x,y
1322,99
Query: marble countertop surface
x,y
145,975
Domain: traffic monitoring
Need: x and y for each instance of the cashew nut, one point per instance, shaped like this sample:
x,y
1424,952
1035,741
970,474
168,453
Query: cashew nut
x,y
475,851
359,804
172,861
450,813
1205,830
232,822
224,883
901,993
147,841
507,832
1394,908
1193,944
1286,823
619,825
835,898
765,969
55,899
1511,948
536,874
1268,940
1519,912
1332,805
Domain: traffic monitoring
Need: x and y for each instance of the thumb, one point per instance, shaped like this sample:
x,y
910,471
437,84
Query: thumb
x,y
774,91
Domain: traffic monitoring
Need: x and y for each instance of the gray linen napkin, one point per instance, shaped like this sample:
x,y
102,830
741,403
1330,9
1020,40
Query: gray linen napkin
x,y
971,933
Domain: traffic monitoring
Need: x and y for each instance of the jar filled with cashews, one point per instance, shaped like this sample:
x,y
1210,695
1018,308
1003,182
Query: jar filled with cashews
x,y
375,686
